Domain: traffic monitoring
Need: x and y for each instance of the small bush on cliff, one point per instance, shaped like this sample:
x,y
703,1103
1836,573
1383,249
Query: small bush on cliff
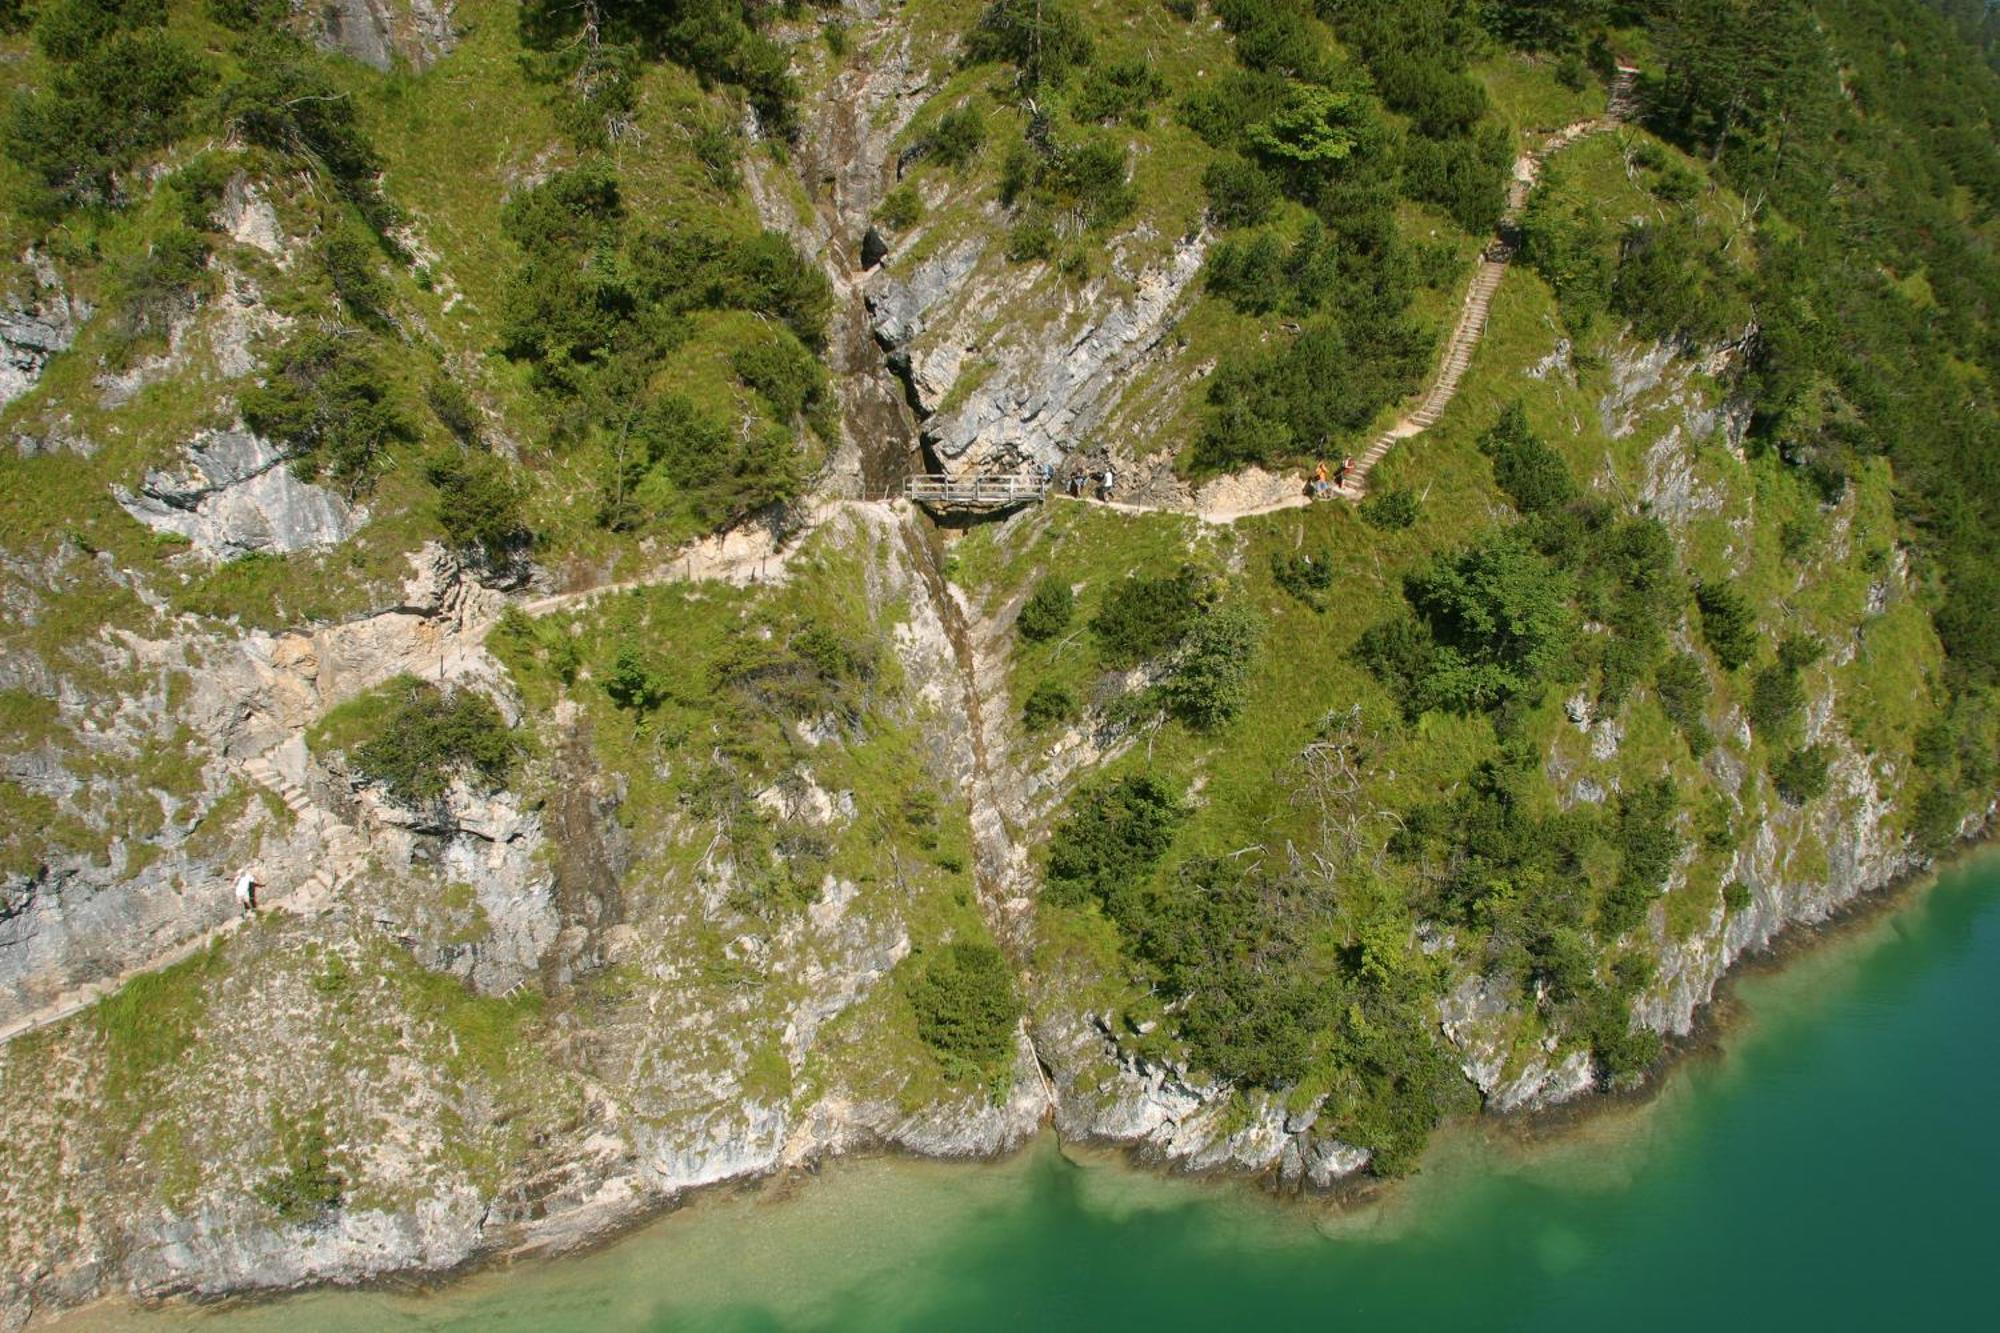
x,y
1727,623
1047,612
1801,776
1391,509
1682,687
422,738
1107,846
306,1188
966,1007
1047,704
1142,619
323,401
479,505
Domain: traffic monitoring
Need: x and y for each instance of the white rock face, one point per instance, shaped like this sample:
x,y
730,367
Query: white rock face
x,y
34,327
237,494
374,32
1018,395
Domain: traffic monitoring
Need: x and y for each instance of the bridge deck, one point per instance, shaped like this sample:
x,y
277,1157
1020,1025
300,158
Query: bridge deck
x,y
974,491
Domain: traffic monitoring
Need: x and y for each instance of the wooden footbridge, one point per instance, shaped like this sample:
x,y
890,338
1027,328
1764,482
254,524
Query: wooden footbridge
x,y
976,491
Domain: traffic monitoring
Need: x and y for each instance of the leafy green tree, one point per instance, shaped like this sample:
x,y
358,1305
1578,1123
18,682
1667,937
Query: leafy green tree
x,y
1317,127
1208,676
1501,619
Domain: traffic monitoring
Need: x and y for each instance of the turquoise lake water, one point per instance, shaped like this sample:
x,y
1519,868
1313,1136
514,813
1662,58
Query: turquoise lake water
x,y
1835,1166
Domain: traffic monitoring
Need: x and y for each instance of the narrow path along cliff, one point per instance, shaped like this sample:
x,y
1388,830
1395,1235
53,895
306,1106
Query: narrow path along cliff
x,y
756,551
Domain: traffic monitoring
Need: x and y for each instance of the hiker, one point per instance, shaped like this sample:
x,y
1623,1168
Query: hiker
x,y
1106,484
246,892
1346,471
1320,485
1076,485
1047,473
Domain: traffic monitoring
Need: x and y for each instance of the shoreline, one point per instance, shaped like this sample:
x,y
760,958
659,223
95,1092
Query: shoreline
x,y
1348,1196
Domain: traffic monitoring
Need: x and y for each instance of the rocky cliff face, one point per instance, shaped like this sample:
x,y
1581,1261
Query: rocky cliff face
x,y
526,1017
35,324
238,495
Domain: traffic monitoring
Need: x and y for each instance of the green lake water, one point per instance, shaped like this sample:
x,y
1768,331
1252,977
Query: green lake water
x,y
1836,1166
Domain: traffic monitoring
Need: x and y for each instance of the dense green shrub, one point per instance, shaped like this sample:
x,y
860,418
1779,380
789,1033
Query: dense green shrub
x,y
1240,193
1801,776
324,399
718,40
1776,696
1647,845
1565,239
1107,845
1935,819
1047,612
1391,508
285,101
1120,91
901,208
350,266
1047,705
1042,39
787,376
1683,690
427,737
1674,282
1141,619
114,97
1532,474
479,505
1303,576
1208,675
1728,624
453,407
966,1006
960,134
1327,384
158,287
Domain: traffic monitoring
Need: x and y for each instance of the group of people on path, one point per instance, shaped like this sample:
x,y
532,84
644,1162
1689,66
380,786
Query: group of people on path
x,y
1323,486
1107,481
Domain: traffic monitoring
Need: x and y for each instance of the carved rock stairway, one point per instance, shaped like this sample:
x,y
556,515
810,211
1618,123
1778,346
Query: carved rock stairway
x,y
346,847
347,850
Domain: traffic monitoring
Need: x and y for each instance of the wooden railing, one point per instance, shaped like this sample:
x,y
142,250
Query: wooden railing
x,y
978,490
